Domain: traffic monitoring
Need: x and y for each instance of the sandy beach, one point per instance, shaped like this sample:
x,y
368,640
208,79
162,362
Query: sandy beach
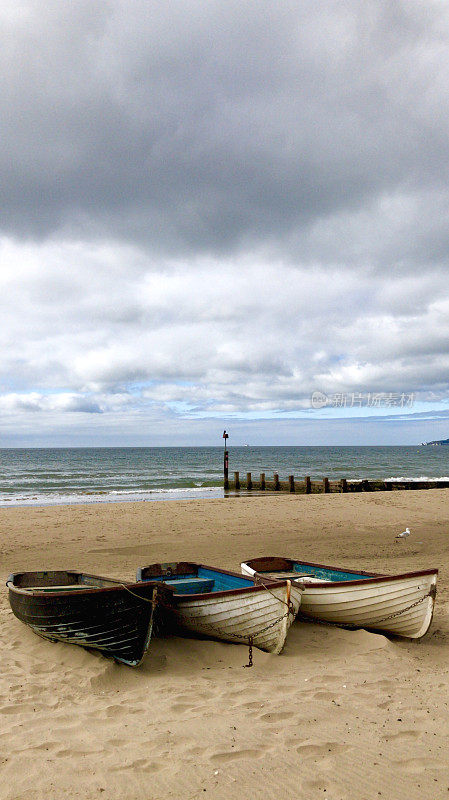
x,y
340,714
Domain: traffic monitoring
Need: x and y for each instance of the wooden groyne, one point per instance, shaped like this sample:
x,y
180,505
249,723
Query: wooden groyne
x,y
306,485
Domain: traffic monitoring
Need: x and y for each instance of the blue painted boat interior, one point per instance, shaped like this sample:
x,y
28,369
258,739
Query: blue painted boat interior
x,y
327,574
203,581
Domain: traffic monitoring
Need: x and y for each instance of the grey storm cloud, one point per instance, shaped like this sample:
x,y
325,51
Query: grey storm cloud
x,y
215,209
214,127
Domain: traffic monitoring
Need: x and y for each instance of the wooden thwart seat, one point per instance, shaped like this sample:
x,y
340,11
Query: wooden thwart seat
x,y
290,575
69,588
190,585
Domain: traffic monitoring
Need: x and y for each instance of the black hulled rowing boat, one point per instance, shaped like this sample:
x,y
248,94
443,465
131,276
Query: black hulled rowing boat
x,y
112,616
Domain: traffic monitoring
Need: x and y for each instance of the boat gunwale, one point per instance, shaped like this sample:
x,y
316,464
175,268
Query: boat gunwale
x,y
29,591
373,577
274,584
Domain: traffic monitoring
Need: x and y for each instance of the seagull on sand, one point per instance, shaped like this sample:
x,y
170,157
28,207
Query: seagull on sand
x,y
404,534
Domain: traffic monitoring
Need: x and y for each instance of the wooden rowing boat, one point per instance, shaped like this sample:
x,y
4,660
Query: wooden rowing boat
x,y
224,605
112,616
397,604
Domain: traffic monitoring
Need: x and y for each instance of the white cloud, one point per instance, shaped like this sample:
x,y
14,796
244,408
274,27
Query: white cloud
x,y
213,336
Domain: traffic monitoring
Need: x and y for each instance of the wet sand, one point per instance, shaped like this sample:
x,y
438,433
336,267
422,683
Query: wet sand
x,y
340,714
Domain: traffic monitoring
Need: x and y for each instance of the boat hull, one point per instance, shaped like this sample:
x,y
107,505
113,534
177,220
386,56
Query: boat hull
x,y
401,605
253,614
117,619
261,616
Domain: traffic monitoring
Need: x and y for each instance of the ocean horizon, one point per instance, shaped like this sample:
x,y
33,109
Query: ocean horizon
x,y
73,475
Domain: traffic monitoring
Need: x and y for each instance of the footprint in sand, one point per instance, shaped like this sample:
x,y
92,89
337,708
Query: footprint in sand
x,y
253,705
113,710
385,704
115,743
141,764
314,785
401,735
77,752
415,765
39,669
235,694
276,716
41,746
205,695
181,707
14,708
322,694
311,750
193,752
225,757
17,687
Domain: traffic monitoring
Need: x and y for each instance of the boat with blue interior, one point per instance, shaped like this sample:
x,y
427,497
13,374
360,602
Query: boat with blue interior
x,y
397,604
219,604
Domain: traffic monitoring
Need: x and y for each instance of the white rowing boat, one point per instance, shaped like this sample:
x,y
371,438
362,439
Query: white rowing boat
x,y
224,605
397,604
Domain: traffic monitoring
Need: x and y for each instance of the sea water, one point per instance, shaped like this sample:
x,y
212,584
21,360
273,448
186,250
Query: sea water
x,y
78,475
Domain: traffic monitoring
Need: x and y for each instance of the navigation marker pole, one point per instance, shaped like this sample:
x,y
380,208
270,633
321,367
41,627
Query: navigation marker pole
x,y
225,463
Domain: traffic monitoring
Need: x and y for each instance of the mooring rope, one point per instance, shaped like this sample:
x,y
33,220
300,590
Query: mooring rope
x,y
287,602
139,597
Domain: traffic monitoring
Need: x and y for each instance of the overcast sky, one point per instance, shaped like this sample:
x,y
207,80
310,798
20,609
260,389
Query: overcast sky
x,y
211,210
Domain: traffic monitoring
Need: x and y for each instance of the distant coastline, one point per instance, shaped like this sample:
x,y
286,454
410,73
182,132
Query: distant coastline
x,y
435,443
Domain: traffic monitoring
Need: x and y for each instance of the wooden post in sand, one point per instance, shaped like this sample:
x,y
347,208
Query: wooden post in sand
x,y
344,485
291,482
276,482
249,483
308,485
236,481
262,481
326,485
